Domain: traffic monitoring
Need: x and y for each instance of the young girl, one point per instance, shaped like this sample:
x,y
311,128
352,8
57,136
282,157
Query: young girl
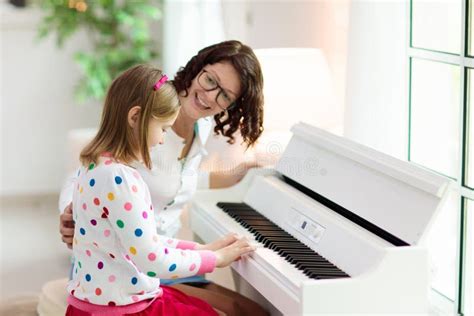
x,y
119,258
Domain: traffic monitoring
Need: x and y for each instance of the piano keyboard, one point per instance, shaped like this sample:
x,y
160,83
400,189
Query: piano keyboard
x,y
273,237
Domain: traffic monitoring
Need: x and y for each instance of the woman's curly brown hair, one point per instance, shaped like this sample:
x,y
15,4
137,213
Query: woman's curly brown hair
x,y
246,113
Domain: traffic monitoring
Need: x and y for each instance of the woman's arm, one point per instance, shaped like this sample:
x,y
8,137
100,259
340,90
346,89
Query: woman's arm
x,y
228,178
66,223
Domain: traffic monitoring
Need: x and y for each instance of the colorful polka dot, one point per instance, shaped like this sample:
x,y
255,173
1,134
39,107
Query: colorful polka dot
x,y
192,267
84,206
111,256
136,175
127,257
79,264
96,201
112,278
170,241
135,298
138,232
92,182
88,277
120,223
145,215
134,280
111,303
111,196
106,233
98,291
151,256
118,180
81,190
88,253
166,251
91,166
93,222
100,265
172,267
128,206
151,273
134,188
106,213
83,231
133,251
175,276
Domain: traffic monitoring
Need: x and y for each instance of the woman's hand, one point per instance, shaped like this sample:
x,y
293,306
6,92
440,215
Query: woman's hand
x,y
66,226
227,178
233,252
219,243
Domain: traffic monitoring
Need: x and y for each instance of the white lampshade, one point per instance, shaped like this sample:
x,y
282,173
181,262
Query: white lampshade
x,y
297,87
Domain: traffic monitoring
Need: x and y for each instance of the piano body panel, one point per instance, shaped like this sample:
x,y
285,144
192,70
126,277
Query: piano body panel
x,y
399,284
364,181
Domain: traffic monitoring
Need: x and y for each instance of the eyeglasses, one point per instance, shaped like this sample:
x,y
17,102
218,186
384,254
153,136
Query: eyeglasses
x,y
209,83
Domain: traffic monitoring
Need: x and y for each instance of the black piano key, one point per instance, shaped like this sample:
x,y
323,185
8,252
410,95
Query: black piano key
x,y
315,265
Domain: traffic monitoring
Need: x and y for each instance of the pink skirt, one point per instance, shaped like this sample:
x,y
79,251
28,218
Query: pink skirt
x,y
171,303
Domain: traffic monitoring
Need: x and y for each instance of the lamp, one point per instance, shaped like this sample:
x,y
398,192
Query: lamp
x,y
297,87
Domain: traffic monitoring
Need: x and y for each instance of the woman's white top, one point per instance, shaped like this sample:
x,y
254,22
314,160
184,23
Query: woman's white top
x,y
172,182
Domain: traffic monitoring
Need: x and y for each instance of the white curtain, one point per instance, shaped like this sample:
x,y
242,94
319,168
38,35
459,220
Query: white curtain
x,y
189,25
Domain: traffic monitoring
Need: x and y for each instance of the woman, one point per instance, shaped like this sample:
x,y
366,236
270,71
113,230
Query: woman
x,y
223,81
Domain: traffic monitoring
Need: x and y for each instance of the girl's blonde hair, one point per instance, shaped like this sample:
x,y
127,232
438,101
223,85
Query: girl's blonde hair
x,y
115,136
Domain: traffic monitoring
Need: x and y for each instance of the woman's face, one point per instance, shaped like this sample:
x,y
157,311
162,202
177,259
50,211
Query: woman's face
x,y
201,101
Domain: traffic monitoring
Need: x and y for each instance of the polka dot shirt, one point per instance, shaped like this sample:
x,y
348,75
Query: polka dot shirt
x,y
119,256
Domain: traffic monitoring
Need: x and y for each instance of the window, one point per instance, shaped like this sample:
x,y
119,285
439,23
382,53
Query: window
x,y
441,138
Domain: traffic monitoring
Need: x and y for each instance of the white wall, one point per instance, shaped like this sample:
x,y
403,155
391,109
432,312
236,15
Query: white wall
x,y
376,111
299,23
37,105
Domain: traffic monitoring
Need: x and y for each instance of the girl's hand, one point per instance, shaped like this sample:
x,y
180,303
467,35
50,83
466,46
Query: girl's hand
x,y
66,226
233,252
219,243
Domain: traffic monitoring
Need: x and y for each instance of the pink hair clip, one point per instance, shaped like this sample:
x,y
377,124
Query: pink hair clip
x,y
160,82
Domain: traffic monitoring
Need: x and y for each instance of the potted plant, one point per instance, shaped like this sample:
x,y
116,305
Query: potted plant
x,y
118,31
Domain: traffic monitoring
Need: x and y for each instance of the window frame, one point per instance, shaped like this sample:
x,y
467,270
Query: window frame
x,y
465,62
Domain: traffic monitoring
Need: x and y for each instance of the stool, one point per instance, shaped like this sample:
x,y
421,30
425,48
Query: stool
x,y
53,298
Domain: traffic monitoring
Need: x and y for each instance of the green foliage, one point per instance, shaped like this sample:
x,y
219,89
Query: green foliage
x,y
118,31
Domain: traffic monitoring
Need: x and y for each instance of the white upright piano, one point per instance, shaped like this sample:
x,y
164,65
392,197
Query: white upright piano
x,y
340,227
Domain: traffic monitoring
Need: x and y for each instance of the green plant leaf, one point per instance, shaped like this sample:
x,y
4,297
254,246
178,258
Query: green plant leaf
x,y
118,31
